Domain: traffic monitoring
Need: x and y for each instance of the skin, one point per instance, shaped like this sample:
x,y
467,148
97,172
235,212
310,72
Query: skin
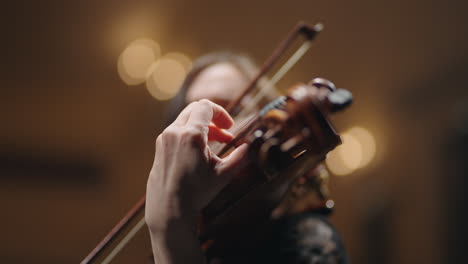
x,y
186,174
219,83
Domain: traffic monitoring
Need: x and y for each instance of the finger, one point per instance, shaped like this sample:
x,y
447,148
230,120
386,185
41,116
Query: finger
x,y
157,151
220,135
183,116
233,163
204,111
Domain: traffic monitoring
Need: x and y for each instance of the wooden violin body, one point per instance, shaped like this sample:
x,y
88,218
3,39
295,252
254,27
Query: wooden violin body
x,y
288,138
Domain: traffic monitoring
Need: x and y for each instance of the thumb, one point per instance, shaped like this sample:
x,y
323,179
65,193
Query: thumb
x,y
232,163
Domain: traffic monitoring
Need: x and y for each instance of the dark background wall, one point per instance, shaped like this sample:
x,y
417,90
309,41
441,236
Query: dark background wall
x,y
76,142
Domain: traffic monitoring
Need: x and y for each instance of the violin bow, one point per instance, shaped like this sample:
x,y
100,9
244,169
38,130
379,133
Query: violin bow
x,y
301,28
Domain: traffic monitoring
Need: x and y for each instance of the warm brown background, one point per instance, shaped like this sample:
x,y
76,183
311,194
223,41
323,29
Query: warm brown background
x,y
77,143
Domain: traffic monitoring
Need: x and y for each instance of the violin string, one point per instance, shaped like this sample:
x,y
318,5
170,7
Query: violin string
x,y
280,49
262,92
277,77
124,241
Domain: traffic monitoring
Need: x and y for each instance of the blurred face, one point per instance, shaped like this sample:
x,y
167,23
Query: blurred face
x,y
220,83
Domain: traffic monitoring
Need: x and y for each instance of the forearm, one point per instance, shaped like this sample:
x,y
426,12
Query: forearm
x,y
178,243
186,175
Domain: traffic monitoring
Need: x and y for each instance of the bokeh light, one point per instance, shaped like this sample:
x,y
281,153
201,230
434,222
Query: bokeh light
x,y
336,164
358,150
181,58
136,59
367,143
165,77
350,151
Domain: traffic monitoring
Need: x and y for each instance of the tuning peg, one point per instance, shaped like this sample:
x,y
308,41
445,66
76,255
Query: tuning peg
x,y
339,99
321,82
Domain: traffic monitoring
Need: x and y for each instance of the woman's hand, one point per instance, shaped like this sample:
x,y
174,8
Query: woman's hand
x,y
186,174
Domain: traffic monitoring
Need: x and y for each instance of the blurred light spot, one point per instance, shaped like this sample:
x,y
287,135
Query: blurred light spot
x,y
329,204
136,59
357,150
336,164
181,58
367,142
350,151
165,77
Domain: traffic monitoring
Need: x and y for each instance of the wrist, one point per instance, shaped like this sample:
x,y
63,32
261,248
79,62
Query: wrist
x,y
171,223
168,211
176,243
